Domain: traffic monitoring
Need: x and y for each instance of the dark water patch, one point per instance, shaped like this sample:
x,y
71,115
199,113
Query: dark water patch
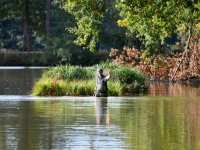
x,y
18,80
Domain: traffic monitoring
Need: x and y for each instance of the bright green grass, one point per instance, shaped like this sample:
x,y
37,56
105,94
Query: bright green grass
x,y
49,87
76,80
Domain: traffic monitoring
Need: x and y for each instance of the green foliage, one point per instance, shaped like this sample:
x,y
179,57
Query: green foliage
x,y
70,73
130,79
115,89
106,65
154,21
76,80
125,79
80,87
12,15
89,17
123,74
96,24
61,46
49,87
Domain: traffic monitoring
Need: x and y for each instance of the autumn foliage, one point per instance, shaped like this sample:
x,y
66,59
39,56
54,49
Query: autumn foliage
x,y
180,66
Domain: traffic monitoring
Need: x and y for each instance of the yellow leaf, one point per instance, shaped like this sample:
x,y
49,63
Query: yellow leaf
x,y
122,23
198,25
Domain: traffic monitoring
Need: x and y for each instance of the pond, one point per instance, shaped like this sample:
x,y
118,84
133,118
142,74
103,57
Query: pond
x,y
167,117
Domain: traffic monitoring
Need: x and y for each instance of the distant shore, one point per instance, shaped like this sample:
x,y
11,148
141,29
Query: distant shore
x,y
31,58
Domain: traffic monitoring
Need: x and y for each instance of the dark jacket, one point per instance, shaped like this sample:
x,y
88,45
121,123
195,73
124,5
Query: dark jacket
x,y
101,86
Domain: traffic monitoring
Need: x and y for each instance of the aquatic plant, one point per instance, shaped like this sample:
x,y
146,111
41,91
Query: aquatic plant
x,y
76,80
69,73
49,87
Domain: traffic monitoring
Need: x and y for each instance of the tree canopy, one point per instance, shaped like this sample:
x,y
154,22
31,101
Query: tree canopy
x,y
154,21
151,21
89,17
66,27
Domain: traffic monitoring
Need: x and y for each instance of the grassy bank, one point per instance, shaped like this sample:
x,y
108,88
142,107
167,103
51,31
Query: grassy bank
x,y
76,80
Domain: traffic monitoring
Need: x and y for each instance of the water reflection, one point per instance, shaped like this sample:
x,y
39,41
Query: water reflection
x,y
102,112
112,123
194,122
154,123
18,81
74,125
173,89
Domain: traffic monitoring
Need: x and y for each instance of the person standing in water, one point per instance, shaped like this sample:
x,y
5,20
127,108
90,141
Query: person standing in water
x,y
101,83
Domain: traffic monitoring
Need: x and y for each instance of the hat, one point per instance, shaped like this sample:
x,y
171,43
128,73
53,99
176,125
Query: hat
x,y
99,69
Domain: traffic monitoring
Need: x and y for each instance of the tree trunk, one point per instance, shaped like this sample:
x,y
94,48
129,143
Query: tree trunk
x,y
185,51
26,44
48,23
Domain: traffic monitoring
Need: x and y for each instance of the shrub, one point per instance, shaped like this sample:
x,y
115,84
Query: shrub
x,y
127,75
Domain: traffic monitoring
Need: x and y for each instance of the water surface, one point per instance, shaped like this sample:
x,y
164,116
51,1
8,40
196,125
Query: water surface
x,y
167,117
18,80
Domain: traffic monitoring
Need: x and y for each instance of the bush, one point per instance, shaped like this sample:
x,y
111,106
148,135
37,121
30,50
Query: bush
x,y
124,75
114,89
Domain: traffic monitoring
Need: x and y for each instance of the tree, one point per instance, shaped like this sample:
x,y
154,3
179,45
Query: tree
x,y
26,46
18,15
9,26
96,24
48,22
154,21
89,17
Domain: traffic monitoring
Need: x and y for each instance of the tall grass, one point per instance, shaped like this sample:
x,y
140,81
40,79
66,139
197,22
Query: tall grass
x,y
69,73
76,80
49,87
